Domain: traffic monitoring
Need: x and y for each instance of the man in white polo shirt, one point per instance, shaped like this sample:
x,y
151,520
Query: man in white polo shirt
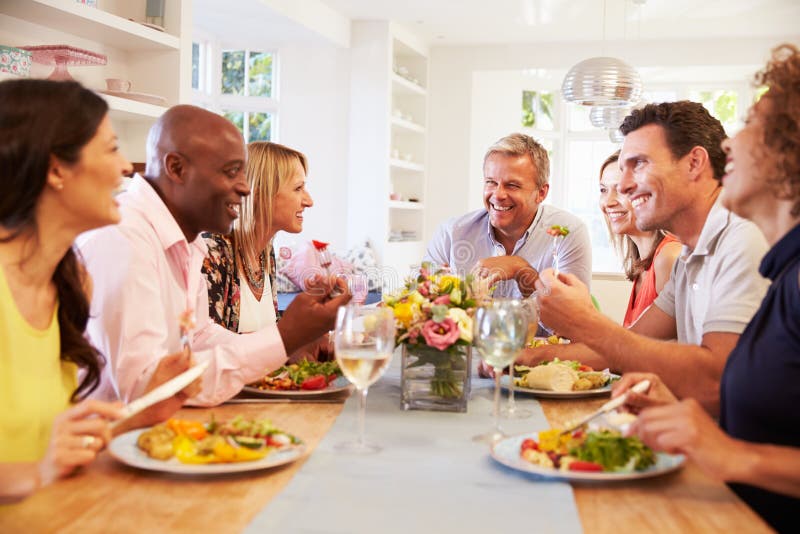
x,y
673,164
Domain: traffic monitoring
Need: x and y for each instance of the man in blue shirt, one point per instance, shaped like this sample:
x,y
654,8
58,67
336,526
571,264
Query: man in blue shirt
x,y
507,241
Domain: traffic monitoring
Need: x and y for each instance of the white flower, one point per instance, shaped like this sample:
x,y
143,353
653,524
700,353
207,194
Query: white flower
x,y
464,322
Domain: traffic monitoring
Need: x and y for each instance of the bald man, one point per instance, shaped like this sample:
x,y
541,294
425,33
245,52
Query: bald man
x,y
147,269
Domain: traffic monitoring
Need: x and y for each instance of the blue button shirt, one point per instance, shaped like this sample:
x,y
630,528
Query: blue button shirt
x,y
462,241
760,389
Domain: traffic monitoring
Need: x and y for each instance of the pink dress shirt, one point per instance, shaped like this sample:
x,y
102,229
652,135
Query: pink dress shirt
x,y
145,275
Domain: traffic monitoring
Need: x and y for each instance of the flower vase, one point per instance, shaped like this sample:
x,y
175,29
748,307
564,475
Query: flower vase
x,y
436,380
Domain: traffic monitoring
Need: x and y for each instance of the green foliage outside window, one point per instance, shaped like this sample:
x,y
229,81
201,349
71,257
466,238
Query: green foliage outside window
x,y
260,127
537,110
721,104
233,72
260,74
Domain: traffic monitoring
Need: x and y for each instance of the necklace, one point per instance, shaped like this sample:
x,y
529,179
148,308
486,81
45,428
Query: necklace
x,y
256,283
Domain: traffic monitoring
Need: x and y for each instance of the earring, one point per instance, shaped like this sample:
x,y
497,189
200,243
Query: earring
x,y
59,186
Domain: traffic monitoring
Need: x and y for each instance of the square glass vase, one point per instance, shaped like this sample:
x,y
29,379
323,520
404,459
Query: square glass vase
x,y
435,380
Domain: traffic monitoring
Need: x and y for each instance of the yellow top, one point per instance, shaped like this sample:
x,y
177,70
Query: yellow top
x,y
35,385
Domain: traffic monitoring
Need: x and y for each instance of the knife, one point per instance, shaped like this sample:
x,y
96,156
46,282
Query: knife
x,y
613,404
163,392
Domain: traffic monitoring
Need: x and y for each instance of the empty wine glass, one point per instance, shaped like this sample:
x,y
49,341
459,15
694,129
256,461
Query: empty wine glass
x,y
511,410
364,342
500,330
359,287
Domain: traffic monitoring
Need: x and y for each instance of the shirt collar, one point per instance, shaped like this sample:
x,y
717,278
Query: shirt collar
x,y
525,236
783,253
145,198
717,220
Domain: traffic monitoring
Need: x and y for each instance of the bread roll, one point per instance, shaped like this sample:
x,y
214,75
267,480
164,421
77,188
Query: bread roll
x,y
553,377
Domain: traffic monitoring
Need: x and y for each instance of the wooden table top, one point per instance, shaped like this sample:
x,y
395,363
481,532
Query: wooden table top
x,y
111,497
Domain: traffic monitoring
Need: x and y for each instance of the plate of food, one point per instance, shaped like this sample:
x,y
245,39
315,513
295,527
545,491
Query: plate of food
x,y
194,448
597,455
303,379
559,379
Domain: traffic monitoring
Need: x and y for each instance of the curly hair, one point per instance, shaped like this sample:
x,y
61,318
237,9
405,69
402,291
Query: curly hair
x,y
782,123
686,125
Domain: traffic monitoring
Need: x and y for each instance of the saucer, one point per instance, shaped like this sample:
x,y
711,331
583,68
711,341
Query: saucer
x,y
140,97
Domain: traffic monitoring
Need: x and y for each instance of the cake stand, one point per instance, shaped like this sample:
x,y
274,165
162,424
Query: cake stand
x,y
63,55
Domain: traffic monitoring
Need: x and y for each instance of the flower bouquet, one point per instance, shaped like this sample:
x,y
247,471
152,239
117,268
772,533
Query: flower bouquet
x,y
433,316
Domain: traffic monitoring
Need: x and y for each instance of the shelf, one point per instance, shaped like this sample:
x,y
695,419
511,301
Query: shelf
x,y
89,22
127,110
406,87
408,125
406,165
405,205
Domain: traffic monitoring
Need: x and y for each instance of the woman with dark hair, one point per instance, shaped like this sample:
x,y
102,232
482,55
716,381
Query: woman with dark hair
x,y
756,447
647,256
59,168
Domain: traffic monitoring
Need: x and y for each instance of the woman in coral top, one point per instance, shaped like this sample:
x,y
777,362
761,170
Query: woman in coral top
x,y
647,257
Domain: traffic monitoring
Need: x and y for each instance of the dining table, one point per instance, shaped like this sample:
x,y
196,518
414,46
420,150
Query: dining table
x,y
109,496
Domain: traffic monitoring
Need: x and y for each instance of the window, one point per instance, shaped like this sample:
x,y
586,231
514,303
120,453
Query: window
x,y
721,103
537,109
241,87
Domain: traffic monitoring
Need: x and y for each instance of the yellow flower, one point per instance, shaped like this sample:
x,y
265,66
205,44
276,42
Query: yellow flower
x,y
464,322
404,313
416,298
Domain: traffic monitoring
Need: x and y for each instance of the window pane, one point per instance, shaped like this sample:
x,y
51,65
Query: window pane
x,y
579,118
260,74
722,104
537,109
585,158
236,117
195,66
260,127
233,72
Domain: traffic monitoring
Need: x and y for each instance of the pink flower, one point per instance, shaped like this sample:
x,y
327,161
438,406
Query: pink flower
x,y
424,288
444,299
440,335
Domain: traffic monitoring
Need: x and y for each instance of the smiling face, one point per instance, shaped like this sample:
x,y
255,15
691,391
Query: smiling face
x,y
214,181
655,182
745,190
87,187
510,194
615,206
290,201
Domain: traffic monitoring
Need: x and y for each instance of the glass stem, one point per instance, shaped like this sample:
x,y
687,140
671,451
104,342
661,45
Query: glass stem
x,y
512,406
362,414
498,372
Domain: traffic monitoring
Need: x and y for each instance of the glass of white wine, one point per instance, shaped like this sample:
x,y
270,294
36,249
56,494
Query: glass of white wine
x,y
511,409
364,342
500,330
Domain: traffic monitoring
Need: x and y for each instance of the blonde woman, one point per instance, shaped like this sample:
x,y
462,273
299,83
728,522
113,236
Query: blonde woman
x,y
647,256
240,267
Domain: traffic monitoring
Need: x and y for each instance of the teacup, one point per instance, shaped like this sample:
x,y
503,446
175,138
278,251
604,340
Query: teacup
x,y
118,85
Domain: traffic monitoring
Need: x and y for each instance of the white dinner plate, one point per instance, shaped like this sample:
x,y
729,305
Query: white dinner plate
x,y
506,452
124,449
505,381
340,384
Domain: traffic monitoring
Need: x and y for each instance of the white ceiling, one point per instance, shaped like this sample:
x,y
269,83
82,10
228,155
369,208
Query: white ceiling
x,y
447,22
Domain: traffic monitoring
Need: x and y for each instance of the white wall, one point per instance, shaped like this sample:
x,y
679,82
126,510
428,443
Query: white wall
x,y
313,118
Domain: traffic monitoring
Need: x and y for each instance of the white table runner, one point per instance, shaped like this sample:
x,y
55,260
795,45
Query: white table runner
x,y
430,476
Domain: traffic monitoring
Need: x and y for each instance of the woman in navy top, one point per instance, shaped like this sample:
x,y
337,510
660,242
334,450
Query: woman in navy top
x,y
756,448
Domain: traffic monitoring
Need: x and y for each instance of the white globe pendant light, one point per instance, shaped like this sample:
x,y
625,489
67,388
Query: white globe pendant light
x,y
602,81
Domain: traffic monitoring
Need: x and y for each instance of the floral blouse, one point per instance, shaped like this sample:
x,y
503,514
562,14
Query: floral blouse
x,y
222,276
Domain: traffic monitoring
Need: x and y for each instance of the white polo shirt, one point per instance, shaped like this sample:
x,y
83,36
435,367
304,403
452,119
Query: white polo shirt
x,y
716,287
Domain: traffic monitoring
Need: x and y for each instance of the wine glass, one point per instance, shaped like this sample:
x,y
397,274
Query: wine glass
x,y
511,410
359,287
364,342
501,326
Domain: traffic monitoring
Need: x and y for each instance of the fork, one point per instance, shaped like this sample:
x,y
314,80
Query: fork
x,y
613,404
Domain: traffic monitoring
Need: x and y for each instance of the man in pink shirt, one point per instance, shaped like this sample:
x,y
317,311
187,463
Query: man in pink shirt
x,y
147,269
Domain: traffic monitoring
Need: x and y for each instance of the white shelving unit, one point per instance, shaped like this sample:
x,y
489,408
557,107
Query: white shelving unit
x,y
157,63
389,115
